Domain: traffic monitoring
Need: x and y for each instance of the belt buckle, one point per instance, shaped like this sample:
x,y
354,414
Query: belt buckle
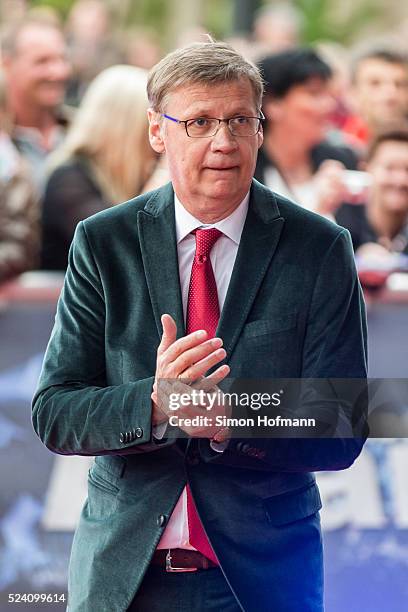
x,y
171,568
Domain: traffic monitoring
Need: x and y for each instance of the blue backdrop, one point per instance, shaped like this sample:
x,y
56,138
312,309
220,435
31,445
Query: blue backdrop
x,y
365,516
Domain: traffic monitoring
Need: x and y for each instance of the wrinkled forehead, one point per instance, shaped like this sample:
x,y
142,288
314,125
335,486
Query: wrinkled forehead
x,y
203,96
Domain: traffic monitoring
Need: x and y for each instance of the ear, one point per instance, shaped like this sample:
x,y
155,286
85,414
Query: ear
x,y
260,136
155,131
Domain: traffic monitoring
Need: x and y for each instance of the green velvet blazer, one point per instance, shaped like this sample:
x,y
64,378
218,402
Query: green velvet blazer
x,y
294,309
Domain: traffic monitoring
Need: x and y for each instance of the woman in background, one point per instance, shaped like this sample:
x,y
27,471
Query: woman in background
x,y
105,159
297,160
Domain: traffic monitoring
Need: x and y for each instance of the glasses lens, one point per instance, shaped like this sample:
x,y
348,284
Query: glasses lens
x,y
201,127
244,126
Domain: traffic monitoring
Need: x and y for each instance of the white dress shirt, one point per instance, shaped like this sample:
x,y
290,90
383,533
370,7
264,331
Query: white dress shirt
x,y
305,194
222,257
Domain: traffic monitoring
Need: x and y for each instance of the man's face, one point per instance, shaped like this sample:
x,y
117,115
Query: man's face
x,y
38,71
210,175
381,91
389,169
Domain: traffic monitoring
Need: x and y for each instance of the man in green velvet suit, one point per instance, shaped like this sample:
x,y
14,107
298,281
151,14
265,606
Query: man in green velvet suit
x,y
290,307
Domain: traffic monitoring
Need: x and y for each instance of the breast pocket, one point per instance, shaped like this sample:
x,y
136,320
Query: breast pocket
x,y
269,348
257,330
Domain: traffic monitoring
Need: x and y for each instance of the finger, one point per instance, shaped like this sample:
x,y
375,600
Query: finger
x,y
201,367
190,357
183,344
169,333
210,382
213,379
222,435
331,164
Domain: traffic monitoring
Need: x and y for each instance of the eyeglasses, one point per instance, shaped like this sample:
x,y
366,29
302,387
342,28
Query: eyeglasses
x,y
205,127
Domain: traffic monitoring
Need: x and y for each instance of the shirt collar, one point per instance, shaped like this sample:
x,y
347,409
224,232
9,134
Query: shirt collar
x,y
34,137
231,226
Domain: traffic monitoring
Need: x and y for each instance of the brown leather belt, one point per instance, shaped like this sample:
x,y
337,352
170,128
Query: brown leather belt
x,y
181,560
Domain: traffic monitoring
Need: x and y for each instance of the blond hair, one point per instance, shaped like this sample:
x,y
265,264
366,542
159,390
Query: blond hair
x,y
206,63
110,129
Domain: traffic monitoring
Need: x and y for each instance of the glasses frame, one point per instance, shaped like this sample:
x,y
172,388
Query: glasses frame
x,y
261,119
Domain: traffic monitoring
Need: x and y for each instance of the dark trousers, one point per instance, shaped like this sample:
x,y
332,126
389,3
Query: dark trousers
x,y
201,591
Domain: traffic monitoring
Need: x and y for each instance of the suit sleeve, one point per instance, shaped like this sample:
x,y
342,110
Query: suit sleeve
x,y
334,347
74,411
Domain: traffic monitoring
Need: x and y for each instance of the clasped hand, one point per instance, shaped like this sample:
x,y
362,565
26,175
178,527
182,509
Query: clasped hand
x,y
181,368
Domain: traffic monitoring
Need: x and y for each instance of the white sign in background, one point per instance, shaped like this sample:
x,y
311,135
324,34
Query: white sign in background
x,y
369,495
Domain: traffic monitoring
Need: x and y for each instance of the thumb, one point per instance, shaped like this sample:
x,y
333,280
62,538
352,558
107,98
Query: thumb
x,y
331,167
169,332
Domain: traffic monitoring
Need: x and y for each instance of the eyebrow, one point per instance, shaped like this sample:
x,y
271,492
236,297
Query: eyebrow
x,y
209,115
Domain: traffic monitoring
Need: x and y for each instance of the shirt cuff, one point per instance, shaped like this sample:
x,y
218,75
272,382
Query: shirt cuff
x,y
159,430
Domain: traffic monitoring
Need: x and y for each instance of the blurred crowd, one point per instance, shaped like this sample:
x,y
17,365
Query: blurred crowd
x,y
74,132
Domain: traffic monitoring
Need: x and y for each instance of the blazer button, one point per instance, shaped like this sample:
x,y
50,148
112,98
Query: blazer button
x,y
161,520
139,432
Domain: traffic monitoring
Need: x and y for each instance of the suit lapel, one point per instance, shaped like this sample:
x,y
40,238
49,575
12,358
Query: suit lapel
x,y
260,237
157,232
259,240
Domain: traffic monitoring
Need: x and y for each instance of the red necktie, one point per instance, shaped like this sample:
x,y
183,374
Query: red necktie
x,y
203,312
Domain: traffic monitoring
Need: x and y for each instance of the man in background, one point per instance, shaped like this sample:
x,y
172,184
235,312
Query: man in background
x,y
36,69
380,228
379,94
277,27
91,44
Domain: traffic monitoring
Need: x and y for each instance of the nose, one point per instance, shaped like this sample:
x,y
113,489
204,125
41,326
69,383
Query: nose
x,y
58,69
400,178
223,140
390,91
